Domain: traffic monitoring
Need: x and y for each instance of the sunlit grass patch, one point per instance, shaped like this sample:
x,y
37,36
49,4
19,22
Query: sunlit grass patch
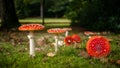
x,y
46,20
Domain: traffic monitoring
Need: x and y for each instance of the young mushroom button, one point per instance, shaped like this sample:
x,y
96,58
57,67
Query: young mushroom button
x,y
31,28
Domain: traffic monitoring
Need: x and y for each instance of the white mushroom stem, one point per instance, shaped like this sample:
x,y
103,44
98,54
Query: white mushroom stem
x,y
89,36
60,43
32,44
56,44
75,44
66,33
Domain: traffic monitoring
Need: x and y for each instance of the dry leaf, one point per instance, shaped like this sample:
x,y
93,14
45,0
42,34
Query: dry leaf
x,y
83,54
37,49
118,62
112,61
50,54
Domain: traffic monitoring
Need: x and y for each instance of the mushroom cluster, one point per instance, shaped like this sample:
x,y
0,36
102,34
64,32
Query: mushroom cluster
x,y
98,46
31,28
74,39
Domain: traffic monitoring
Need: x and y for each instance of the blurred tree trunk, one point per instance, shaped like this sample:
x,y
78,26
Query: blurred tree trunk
x,y
0,9
42,11
9,18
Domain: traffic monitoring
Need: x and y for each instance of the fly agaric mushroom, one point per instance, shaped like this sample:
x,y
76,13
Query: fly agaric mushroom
x,y
56,31
68,40
67,29
76,39
89,33
31,28
98,46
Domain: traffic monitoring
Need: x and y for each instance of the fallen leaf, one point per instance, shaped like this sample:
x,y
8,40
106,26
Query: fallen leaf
x,y
38,49
83,54
118,61
112,61
50,54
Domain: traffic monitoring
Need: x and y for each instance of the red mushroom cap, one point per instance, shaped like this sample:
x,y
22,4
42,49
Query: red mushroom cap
x,y
76,38
68,40
98,46
89,33
31,27
56,30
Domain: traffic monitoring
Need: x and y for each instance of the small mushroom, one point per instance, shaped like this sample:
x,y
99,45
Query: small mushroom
x,y
68,40
31,28
56,31
98,46
89,33
76,39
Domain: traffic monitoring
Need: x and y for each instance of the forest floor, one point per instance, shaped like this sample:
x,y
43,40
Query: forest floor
x,y
14,51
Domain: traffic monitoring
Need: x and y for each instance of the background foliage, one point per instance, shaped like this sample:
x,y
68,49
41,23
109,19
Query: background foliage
x,y
52,8
91,14
95,14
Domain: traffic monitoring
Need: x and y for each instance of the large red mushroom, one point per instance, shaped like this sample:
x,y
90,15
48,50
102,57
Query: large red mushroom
x,y
98,46
31,28
56,31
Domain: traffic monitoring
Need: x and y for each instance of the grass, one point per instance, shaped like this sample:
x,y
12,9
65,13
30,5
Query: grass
x,y
47,20
16,56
